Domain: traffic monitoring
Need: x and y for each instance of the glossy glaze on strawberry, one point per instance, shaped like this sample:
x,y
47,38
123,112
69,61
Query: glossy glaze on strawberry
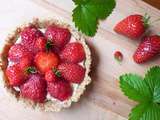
x,y
59,36
29,36
45,64
148,49
73,53
133,26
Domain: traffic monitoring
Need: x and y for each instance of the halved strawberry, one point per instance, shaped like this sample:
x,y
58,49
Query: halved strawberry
x,y
61,89
133,26
45,61
59,36
34,88
73,52
148,48
72,72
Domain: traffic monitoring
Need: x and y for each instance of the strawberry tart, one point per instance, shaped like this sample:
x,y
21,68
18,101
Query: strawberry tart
x,y
45,64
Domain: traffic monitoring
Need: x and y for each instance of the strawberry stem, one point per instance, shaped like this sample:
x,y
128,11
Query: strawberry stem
x,y
57,72
49,45
146,20
31,70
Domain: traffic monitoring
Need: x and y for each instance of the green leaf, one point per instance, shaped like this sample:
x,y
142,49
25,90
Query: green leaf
x,y
134,87
146,92
98,7
138,111
80,1
152,78
84,20
156,94
145,111
88,12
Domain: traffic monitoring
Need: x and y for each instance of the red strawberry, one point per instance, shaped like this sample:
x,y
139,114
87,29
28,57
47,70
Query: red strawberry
x,y
40,44
133,26
61,90
52,75
118,56
29,36
148,48
45,61
17,52
34,88
59,36
24,63
73,52
72,72
15,75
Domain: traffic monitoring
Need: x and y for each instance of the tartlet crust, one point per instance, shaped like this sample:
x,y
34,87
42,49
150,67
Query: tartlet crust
x,y
48,105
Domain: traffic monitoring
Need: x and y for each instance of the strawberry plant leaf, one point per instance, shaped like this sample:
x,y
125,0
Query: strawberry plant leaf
x,y
88,12
152,77
156,94
145,111
145,91
134,87
85,21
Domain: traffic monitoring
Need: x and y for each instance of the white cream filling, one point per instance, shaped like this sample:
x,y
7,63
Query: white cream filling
x,y
49,97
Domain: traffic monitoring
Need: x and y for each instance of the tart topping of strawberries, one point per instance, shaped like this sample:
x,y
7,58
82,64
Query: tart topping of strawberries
x,y
72,72
45,63
34,88
59,36
148,48
61,90
15,75
52,75
17,52
73,52
29,36
46,60
133,26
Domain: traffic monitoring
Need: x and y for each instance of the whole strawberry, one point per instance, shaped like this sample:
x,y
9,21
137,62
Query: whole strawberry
x,y
59,36
73,52
34,88
148,48
29,36
52,75
24,63
18,52
45,61
133,26
40,44
15,75
61,89
72,72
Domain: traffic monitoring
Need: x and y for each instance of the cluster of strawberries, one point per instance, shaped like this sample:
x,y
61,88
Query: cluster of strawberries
x,y
134,26
45,63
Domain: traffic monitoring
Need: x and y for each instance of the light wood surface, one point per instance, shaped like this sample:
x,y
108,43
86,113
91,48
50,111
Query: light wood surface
x,y
103,99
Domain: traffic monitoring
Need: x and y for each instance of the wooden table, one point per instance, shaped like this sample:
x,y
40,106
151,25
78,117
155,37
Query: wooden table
x,y
155,3
103,99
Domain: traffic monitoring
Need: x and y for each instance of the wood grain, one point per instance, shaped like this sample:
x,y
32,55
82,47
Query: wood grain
x,y
103,99
155,3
